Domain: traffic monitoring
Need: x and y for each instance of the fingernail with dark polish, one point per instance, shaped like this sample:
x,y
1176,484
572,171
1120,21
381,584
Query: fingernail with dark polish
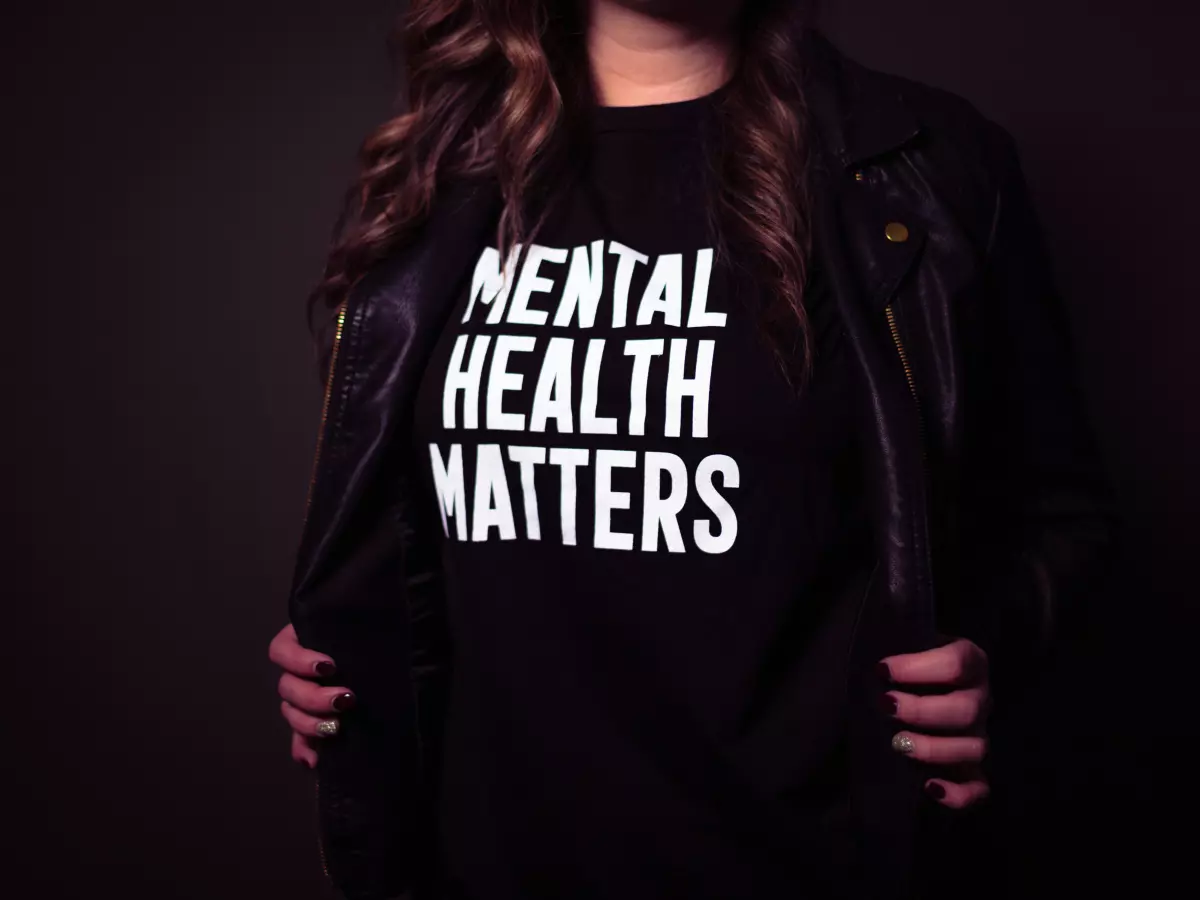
x,y
324,667
935,790
887,704
883,671
343,702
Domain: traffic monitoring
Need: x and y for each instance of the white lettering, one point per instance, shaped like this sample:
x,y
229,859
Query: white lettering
x,y
642,352
698,315
664,292
501,380
488,282
726,517
659,511
679,387
448,485
589,423
467,381
530,282
627,258
527,458
552,397
497,311
604,538
568,460
493,507
585,282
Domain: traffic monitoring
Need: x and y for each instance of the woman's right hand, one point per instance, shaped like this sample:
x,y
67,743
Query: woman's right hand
x,y
305,704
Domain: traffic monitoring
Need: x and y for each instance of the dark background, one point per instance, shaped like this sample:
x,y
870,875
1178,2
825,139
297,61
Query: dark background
x,y
172,175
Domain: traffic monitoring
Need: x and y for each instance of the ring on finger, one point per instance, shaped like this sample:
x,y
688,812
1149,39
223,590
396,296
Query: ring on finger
x,y
328,727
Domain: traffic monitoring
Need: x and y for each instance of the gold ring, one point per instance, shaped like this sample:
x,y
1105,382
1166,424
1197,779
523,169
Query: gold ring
x,y
327,727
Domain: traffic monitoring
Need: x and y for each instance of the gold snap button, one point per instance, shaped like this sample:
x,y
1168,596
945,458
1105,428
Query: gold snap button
x,y
896,232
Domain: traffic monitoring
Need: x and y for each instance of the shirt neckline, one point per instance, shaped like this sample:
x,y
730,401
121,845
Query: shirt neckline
x,y
655,116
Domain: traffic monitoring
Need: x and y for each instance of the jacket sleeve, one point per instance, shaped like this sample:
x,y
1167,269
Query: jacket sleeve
x,y
420,536
1038,516
367,587
373,605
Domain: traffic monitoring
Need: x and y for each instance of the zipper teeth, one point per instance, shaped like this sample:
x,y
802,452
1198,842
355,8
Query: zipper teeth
x,y
320,842
333,358
894,327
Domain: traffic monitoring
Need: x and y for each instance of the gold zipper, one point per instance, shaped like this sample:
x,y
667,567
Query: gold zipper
x,y
908,372
333,358
912,387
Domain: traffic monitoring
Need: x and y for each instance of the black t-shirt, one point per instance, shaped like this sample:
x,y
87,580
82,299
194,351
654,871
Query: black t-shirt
x,y
654,553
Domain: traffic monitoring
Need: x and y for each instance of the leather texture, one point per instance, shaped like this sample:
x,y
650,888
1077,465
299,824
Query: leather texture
x,y
991,511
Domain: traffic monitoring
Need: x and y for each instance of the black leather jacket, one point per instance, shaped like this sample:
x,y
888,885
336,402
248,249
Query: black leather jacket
x,y
990,509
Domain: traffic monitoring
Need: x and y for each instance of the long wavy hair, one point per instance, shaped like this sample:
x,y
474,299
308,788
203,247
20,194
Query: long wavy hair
x,y
499,88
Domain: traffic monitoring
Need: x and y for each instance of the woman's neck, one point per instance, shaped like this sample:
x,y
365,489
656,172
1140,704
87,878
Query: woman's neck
x,y
645,52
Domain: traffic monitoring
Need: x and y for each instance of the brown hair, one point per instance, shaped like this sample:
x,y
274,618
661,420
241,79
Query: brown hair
x,y
496,87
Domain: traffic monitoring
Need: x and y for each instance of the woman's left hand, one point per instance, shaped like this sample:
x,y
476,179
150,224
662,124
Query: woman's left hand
x,y
953,705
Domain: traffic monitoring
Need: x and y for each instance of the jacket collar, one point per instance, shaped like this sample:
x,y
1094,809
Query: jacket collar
x,y
859,115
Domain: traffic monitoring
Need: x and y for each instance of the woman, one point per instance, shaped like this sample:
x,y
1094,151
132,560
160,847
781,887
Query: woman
x,y
699,426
